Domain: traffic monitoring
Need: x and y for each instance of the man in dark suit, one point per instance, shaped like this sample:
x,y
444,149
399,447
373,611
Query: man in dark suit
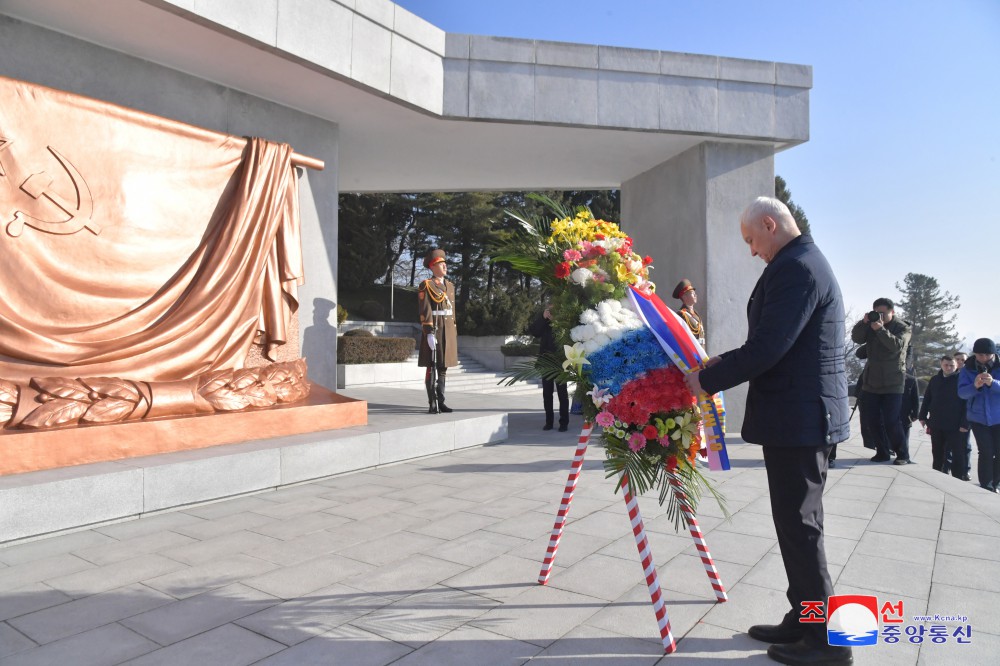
x,y
541,328
796,408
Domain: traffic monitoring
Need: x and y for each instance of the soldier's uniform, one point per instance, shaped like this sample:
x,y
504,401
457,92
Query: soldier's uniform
x,y
436,305
688,314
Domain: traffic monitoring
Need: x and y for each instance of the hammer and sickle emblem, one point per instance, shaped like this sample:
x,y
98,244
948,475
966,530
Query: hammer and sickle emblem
x,y
79,206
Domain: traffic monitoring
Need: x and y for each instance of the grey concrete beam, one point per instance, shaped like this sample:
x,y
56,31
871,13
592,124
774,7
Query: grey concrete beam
x,y
417,75
750,71
627,99
501,49
501,90
689,64
371,53
786,74
791,113
457,46
260,24
746,109
562,54
456,87
566,95
689,104
380,11
629,60
419,31
319,31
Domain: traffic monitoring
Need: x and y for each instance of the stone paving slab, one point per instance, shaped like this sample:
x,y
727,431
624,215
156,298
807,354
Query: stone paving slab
x,y
435,560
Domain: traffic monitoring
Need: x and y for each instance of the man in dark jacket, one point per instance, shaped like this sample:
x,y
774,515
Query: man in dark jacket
x,y
909,410
796,408
541,328
943,414
885,338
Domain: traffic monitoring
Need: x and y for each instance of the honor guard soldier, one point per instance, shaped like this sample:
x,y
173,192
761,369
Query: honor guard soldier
x,y
439,337
684,291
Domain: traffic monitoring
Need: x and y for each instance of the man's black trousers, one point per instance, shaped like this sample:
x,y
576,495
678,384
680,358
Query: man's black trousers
x,y
948,451
548,387
795,480
882,410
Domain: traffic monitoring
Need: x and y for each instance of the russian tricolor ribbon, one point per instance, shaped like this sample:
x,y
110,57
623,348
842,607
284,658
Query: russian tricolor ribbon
x,y
683,349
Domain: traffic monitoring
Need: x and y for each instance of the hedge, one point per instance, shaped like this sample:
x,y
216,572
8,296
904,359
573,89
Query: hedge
x,y
519,349
358,349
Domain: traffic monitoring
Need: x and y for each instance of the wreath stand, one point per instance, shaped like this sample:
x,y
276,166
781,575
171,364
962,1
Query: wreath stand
x,y
641,542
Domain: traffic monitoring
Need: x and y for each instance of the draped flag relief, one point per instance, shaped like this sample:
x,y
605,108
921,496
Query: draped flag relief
x,y
137,246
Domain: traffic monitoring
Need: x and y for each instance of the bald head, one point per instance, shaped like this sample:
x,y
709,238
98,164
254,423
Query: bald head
x,y
767,226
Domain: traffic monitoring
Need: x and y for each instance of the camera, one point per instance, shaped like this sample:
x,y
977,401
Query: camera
x,y
981,368
874,316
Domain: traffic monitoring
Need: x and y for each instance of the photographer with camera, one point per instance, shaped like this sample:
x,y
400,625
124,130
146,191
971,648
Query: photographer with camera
x,y
885,338
978,384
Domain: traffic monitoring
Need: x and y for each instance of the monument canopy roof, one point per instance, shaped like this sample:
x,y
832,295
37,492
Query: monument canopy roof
x,y
449,120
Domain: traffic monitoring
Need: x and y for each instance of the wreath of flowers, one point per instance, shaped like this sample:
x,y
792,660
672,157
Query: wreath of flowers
x,y
650,421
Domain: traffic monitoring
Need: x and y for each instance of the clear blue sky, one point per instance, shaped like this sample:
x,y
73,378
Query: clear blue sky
x,y
902,170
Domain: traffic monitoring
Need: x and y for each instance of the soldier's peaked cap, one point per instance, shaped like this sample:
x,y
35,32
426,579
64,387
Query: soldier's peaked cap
x,y
433,257
683,287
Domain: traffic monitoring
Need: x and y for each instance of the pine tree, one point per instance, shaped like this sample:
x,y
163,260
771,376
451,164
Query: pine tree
x,y
784,194
931,315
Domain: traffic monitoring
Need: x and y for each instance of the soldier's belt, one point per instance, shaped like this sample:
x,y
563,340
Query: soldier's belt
x,y
441,313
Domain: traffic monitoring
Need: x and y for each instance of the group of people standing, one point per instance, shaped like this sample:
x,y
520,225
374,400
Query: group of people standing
x,y
965,396
961,398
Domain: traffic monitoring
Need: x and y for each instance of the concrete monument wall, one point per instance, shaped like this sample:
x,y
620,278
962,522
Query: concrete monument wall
x,y
35,54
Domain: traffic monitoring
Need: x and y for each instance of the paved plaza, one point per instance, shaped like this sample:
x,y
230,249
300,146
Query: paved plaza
x,y
434,561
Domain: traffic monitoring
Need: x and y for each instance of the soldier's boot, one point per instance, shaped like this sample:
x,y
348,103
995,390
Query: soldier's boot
x,y
440,393
431,395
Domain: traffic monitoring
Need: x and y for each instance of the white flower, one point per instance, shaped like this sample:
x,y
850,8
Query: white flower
x,y
582,333
600,396
575,357
581,276
605,323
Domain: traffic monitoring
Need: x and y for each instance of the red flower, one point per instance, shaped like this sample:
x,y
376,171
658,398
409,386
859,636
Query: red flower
x,y
650,432
600,250
660,390
562,270
647,260
598,236
671,463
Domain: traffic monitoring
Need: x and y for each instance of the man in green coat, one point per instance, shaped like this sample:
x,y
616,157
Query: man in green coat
x,y
886,338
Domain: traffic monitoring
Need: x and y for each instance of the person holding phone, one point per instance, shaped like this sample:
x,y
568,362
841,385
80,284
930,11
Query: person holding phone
x,y
978,385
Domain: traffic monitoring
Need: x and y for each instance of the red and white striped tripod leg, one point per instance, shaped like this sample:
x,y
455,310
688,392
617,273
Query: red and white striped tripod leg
x,y
699,538
557,529
648,567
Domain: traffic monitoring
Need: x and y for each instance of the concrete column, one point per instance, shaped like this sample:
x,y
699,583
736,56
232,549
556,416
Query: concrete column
x,y
685,214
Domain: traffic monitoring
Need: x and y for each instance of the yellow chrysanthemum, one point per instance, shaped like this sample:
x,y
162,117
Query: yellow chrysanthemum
x,y
582,227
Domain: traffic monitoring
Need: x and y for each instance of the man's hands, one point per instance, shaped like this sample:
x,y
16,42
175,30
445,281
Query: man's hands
x,y
693,380
983,379
876,325
432,341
